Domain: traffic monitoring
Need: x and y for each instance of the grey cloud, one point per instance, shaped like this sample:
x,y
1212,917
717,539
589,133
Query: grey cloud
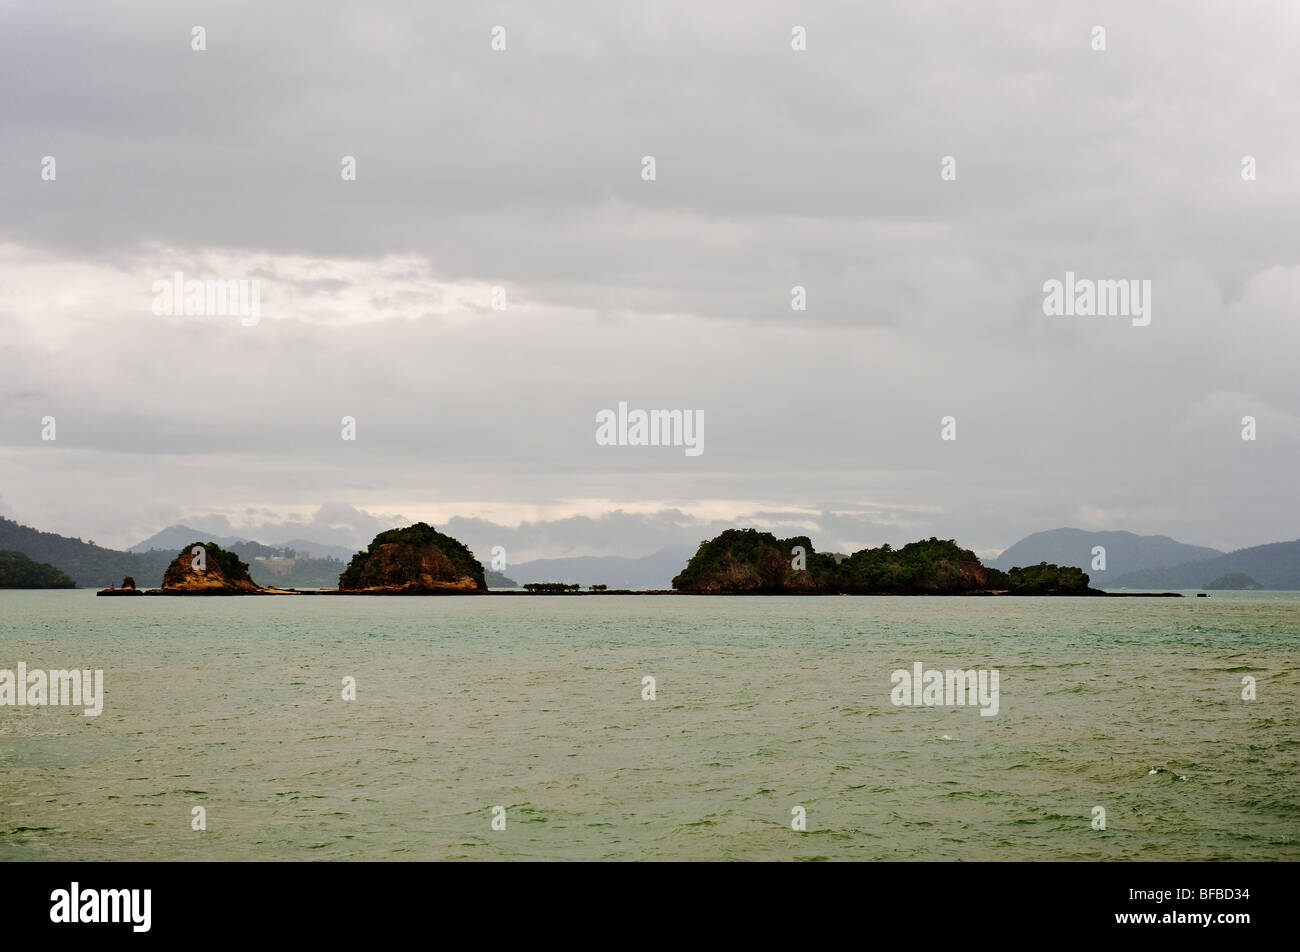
x,y
775,168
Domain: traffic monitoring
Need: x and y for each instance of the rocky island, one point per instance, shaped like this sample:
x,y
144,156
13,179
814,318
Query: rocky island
x,y
127,588
205,568
416,560
749,562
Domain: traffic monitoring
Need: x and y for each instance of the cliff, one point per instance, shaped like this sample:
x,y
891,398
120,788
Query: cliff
x,y
204,568
416,560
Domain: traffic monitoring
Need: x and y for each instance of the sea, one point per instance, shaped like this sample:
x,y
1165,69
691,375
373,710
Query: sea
x,y
524,728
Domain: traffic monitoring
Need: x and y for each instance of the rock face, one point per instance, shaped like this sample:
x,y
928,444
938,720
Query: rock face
x,y
204,568
416,560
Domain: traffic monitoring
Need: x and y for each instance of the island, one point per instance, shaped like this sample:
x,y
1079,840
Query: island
x,y
1233,582
127,588
416,560
205,568
750,562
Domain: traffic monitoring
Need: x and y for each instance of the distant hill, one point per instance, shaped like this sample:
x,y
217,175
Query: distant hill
x,y
285,567
173,537
298,563
654,571
89,565
319,550
18,571
1274,566
93,566
1233,581
1125,552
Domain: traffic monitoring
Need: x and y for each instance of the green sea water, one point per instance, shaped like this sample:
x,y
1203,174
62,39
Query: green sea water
x,y
762,705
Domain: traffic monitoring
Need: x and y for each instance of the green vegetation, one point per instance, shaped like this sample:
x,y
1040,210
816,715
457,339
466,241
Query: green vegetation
x,y
294,572
1041,579
752,562
598,588
933,565
283,567
18,571
89,565
1233,581
746,560
496,579
551,587
420,534
233,568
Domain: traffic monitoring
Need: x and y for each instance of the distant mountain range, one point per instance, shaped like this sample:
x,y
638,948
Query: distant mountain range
x,y
1275,566
173,537
1125,552
1134,561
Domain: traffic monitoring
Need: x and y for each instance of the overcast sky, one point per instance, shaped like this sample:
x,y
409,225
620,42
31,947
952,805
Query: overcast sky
x,y
522,169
